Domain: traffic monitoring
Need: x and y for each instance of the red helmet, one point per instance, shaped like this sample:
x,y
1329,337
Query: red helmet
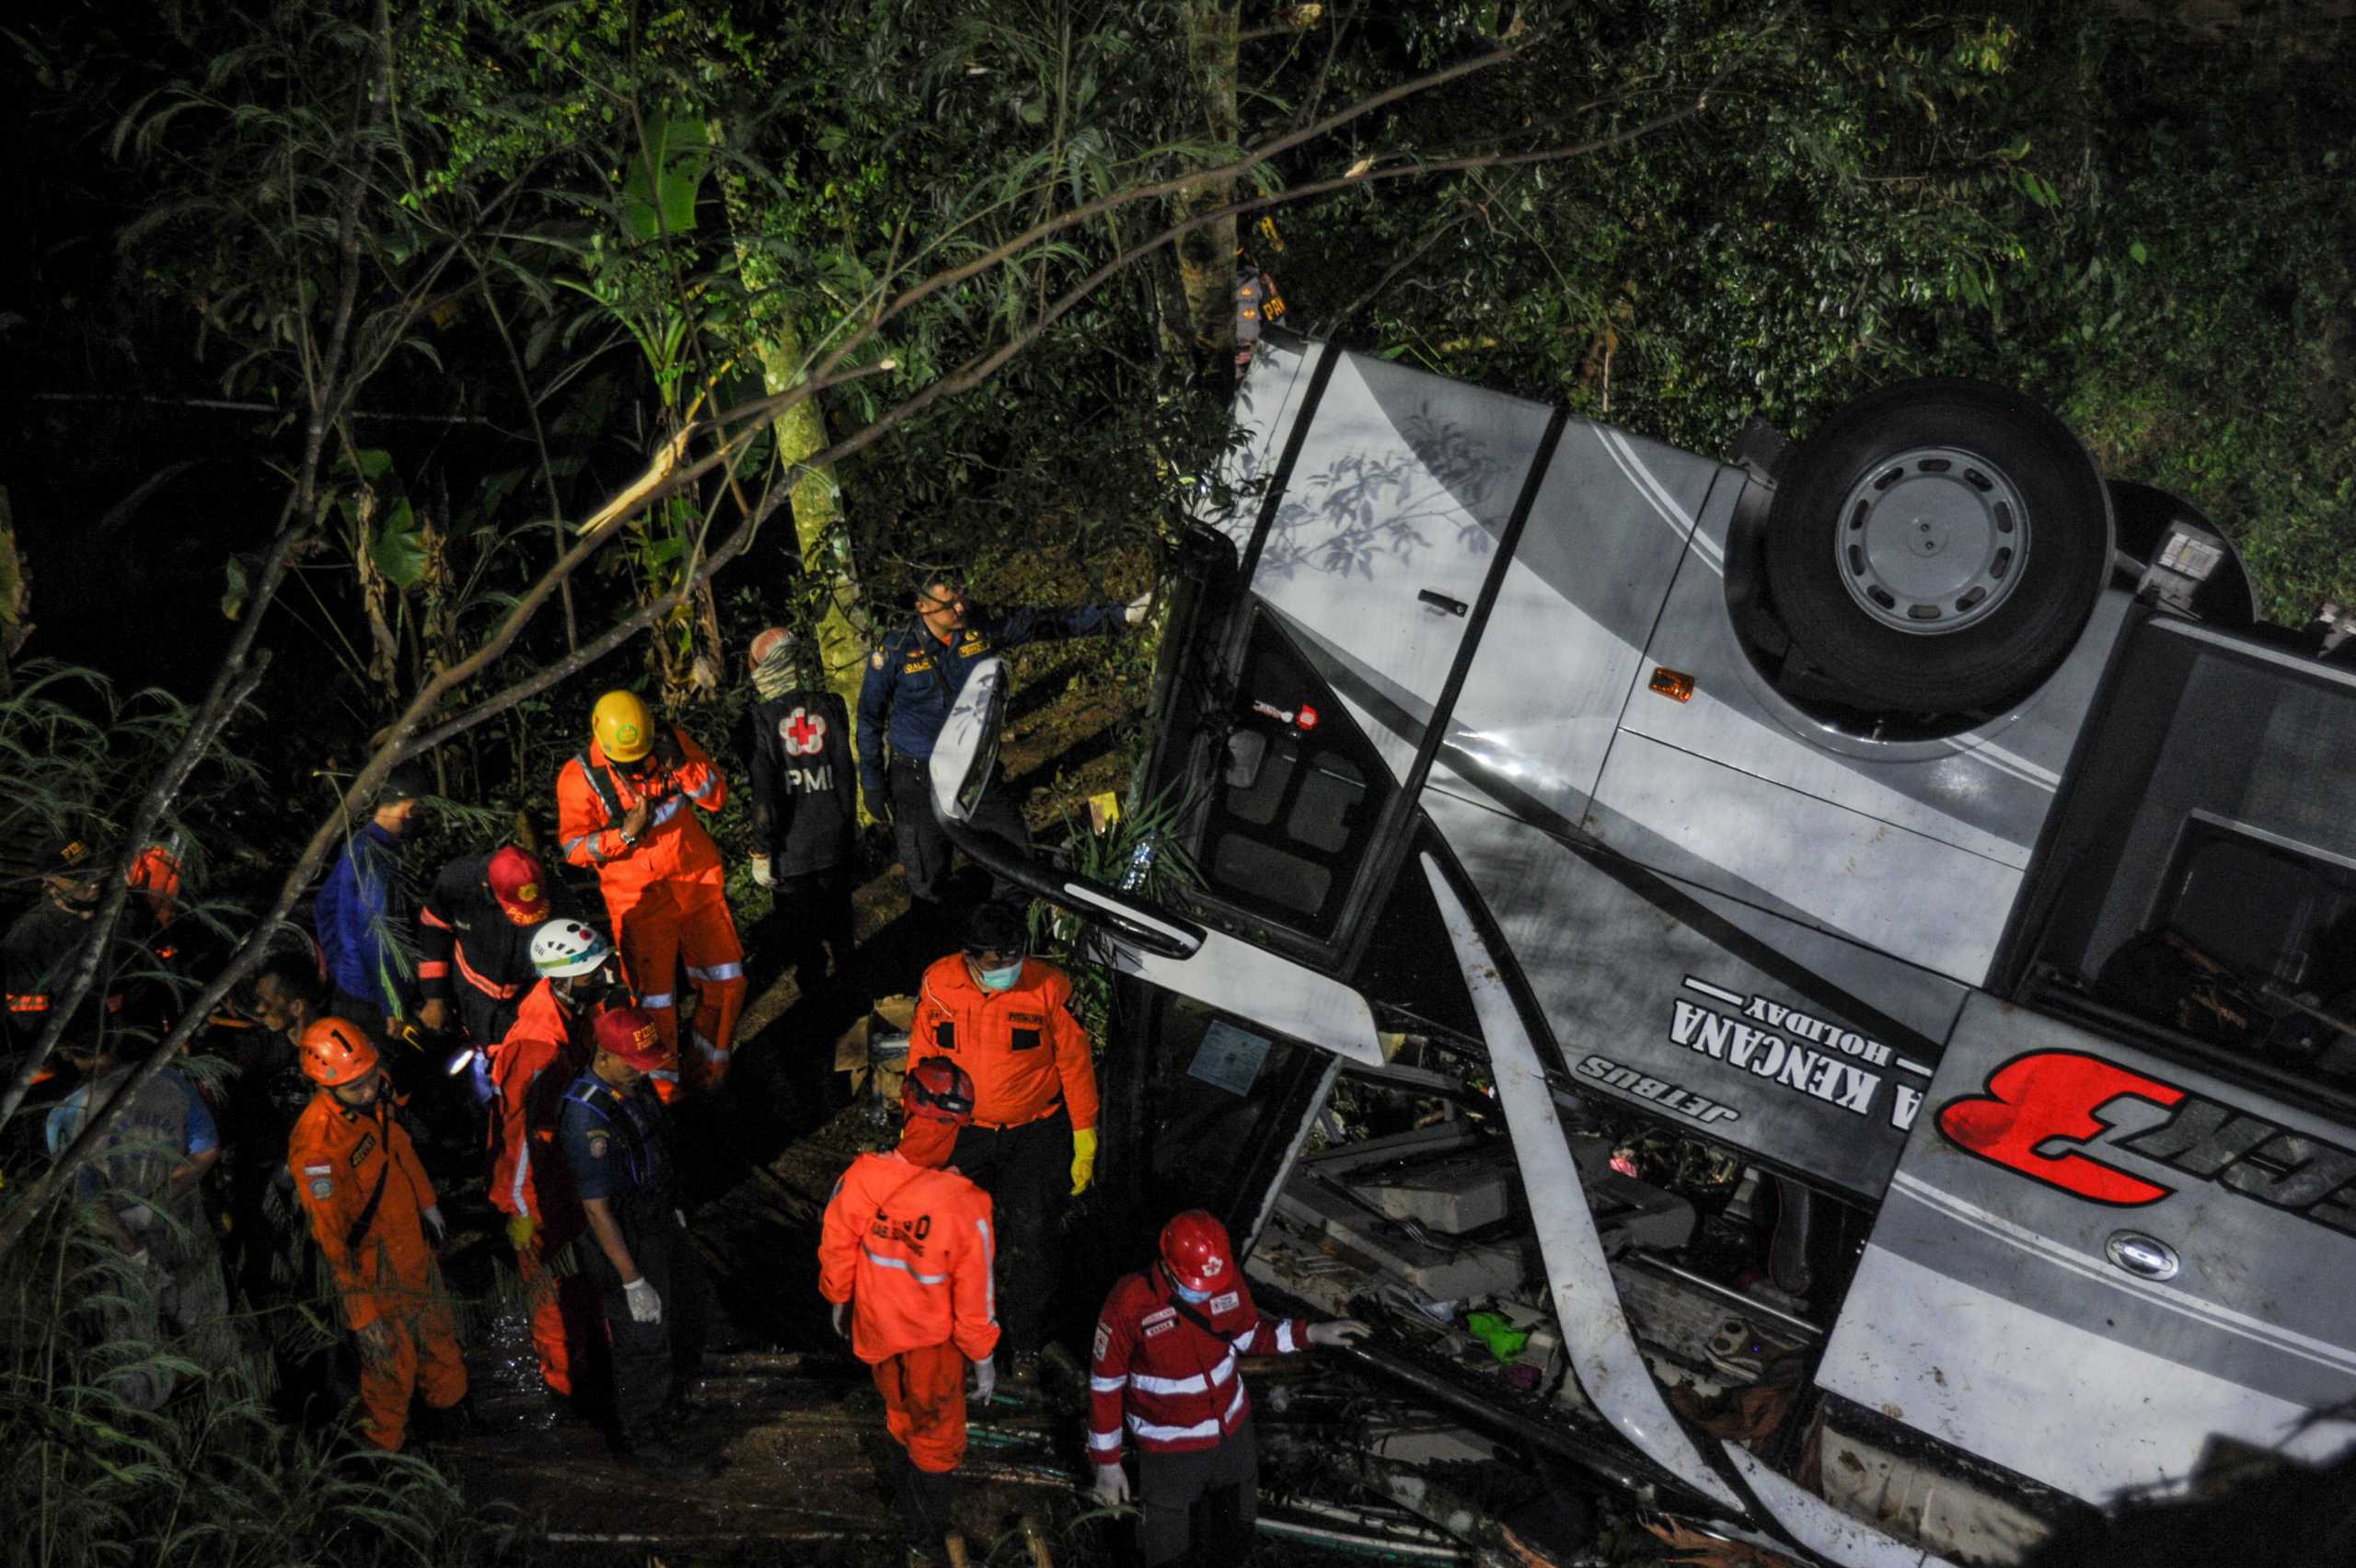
x,y
1196,1251
630,1035
519,882
335,1053
939,1090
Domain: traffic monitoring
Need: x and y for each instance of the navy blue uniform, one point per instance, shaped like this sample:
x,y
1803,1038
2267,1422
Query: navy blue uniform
x,y
912,679
617,1145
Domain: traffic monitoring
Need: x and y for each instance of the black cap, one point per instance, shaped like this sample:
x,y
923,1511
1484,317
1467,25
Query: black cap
x,y
66,854
997,928
407,781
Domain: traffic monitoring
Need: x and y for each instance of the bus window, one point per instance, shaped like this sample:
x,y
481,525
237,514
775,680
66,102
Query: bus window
x,y
1299,792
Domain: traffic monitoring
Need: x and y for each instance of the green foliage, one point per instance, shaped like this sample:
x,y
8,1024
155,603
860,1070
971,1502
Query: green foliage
x,y
210,1476
2146,227
1139,851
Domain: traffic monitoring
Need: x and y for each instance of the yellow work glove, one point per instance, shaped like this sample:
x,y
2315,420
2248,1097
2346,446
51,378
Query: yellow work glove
x,y
1084,1158
520,1231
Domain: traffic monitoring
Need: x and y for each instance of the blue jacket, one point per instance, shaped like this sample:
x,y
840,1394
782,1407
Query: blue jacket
x,y
913,676
362,921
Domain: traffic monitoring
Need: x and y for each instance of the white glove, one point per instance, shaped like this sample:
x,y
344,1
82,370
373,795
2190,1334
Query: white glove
x,y
762,875
437,1231
645,1307
1135,611
1341,1331
842,1319
985,1379
1112,1485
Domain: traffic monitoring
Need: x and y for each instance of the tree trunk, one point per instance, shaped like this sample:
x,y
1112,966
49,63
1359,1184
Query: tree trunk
x,y
1206,255
842,628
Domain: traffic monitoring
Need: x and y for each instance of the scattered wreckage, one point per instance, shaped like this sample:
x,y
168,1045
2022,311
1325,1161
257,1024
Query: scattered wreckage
x,y
1834,956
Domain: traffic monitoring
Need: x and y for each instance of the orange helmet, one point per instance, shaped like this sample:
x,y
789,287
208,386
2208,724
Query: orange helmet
x,y
336,1053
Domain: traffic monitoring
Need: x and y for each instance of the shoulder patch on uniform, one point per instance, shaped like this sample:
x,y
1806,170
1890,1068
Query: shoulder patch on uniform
x,y
876,657
596,1146
1227,1302
321,1186
1103,1339
319,1170
363,1148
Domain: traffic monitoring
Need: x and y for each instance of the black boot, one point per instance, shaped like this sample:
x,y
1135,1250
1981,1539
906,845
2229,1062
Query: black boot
x,y
928,1509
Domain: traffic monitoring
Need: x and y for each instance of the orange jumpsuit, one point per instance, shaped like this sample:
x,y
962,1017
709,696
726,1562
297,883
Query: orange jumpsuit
x,y
667,896
358,1179
910,1248
531,1069
997,1037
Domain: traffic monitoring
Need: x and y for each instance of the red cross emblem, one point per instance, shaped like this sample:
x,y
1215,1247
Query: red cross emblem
x,y
803,731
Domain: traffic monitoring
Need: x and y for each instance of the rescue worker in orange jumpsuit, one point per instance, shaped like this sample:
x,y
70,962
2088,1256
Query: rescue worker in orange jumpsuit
x,y
549,1046
904,1253
374,1215
1165,1367
622,809
1007,1020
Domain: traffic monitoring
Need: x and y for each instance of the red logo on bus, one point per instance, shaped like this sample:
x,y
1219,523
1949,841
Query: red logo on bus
x,y
2049,1098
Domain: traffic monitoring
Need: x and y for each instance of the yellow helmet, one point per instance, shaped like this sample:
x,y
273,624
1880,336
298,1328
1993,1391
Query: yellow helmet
x,y
625,730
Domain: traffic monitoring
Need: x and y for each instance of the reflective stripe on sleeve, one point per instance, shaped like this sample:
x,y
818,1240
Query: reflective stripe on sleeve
x,y
1235,1406
1108,1386
712,1053
989,1273
716,972
1105,1442
523,1174
590,838
710,780
903,1267
1284,1345
1247,1338
427,916
659,999
670,808
432,969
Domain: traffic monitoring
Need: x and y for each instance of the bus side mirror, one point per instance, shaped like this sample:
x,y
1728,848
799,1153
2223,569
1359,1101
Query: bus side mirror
x,y
966,753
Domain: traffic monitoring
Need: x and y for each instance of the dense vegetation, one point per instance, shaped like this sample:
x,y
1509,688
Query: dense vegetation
x,y
473,358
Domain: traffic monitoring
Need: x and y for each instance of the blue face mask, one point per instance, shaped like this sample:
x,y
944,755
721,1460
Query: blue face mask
x,y
1002,979
1192,1298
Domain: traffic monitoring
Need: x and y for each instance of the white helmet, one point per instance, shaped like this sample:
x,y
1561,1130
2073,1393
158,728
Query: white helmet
x,y
565,948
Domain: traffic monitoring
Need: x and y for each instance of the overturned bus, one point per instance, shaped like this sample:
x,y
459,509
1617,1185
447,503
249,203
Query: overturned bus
x,y
1840,951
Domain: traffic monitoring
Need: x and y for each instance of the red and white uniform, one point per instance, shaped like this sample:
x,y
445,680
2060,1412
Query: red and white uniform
x,y
1176,1387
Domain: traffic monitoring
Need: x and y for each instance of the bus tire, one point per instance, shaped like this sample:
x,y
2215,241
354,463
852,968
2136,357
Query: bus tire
x,y
1937,547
